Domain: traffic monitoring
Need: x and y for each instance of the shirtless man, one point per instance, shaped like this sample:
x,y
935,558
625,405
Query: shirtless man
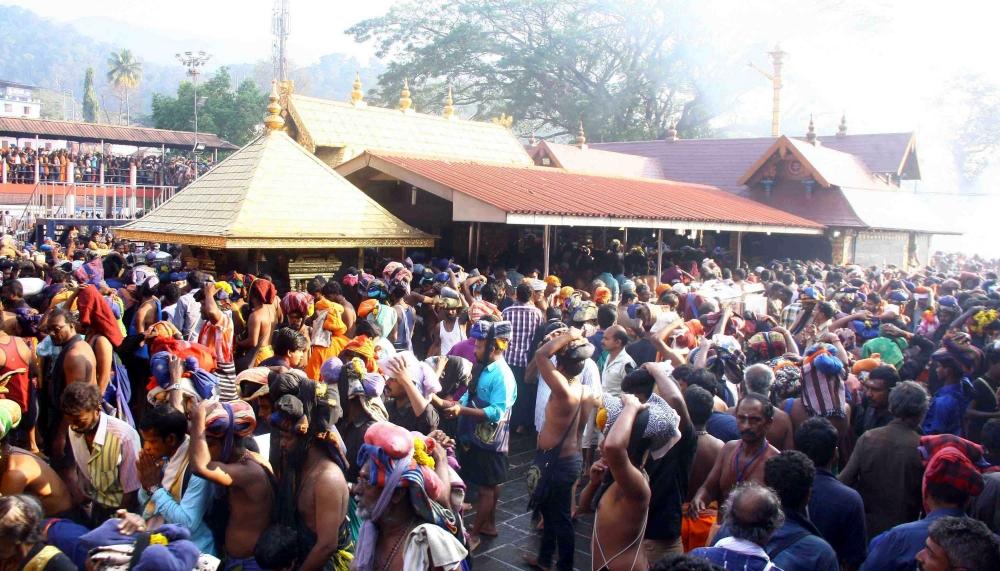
x,y
248,482
699,404
740,460
311,465
559,442
76,363
618,529
260,325
21,472
758,379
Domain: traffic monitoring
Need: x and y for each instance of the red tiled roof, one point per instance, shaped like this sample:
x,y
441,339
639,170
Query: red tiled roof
x,y
557,192
114,134
588,159
721,162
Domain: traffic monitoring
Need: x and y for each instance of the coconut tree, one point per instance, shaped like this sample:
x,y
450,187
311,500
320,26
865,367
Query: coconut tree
x,y
125,73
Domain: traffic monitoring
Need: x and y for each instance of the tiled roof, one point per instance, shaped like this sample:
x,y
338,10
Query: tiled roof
x,y
721,162
273,194
829,166
589,159
548,191
326,123
115,134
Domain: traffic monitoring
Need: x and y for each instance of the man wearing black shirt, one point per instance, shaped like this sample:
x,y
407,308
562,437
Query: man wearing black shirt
x,y
874,410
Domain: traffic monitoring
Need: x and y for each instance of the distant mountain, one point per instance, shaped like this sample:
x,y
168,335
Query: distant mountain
x,y
55,56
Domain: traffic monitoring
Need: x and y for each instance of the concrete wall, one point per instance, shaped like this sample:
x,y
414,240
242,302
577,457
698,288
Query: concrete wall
x,y
875,248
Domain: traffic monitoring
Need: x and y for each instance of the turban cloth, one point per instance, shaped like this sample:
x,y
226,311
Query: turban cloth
x,y
265,290
865,330
479,309
359,383
378,290
350,280
726,359
223,290
899,296
847,338
553,281
765,346
950,466
296,302
364,348
963,355
866,365
142,275
391,269
368,307
164,329
887,349
96,315
253,383
983,321
421,375
167,549
228,421
495,329
400,459
90,273
449,299
602,295
934,443
10,416
364,281
586,311
661,289
948,301
159,342
660,426
823,381
787,378
811,294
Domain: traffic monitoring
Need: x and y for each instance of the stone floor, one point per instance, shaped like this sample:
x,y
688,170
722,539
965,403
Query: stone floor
x,y
517,535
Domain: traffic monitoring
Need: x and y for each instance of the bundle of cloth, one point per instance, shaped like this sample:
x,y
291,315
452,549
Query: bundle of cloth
x,y
167,548
823,381
195,383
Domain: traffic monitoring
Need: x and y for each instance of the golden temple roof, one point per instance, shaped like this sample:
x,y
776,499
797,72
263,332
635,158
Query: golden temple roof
x,y
273,193
322,123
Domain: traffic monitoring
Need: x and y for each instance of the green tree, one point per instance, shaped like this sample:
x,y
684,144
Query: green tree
x,y
90,104
232,115
125,73
617,64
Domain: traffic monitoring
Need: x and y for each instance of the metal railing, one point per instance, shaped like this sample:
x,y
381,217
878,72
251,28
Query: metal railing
x,y
89,202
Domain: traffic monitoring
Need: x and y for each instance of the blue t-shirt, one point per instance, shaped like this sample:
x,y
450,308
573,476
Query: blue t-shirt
x,y
897,548
722,426
807,553
948,409
838,512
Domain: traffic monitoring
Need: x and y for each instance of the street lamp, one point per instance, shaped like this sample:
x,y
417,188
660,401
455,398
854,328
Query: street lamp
x,y
192,61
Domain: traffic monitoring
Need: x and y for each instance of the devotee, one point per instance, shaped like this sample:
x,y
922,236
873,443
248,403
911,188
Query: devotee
x,y
260,324
694,530
758,379
558,459
170,492
290,348
329,328
22,541
618,362
955,360
99,325
949,481
218,453
874,410
796,545
484,415
217,335
959,543
295,307
22,472
836,510
986,506
740,460
313,493
75,363
524,318
409,384
187,314
753,514
450,329
105,449
401,487
16,372
885,466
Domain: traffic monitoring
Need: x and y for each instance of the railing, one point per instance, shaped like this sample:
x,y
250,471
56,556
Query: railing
x,y
89,202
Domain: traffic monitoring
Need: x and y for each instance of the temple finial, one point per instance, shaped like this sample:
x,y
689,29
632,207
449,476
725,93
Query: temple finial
x,y
357,96
842,129
811,133
404,97
273,120
449,105
581,137
672,131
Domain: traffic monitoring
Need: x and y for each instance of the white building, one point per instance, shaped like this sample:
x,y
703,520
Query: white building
x,y
16,100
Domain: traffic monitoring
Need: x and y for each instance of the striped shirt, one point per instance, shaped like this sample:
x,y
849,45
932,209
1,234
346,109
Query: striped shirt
x,y
218,337
107,467
524,321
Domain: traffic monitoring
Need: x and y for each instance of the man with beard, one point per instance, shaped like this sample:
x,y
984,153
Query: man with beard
x,y
105,449
874,410
402,486
740,460
218,435
313,493
76,363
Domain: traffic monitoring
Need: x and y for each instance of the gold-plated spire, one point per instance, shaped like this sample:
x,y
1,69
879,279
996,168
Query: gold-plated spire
x,y
449,105
842,129
672,131
811,133
356,94
504,120
581,137
404,97
273,121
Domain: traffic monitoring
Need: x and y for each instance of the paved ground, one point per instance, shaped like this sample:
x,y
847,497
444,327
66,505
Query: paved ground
x,y
517,535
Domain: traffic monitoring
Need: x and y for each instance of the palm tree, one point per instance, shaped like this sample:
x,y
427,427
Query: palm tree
x,y
125,73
